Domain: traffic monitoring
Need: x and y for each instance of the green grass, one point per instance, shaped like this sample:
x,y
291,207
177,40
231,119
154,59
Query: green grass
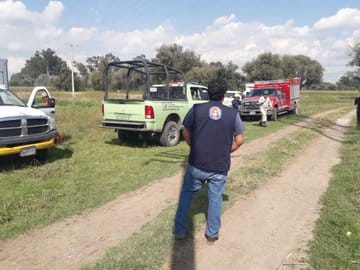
x,y
92,167
336,244
150,247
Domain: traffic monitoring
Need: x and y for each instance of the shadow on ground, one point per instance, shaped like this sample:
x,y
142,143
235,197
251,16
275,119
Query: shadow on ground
x,y
183,252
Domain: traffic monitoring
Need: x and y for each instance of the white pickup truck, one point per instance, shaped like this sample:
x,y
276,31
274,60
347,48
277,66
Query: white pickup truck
x,y
26,129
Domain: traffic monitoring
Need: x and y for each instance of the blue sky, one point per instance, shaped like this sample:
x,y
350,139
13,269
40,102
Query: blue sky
x,y
224,30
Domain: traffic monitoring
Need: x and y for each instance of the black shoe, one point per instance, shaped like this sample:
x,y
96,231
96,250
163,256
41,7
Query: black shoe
x,y
210,240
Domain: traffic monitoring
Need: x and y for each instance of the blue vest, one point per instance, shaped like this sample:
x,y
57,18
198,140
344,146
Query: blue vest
x,y
212,136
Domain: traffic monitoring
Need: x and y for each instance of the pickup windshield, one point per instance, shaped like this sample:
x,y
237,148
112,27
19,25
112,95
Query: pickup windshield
x,y
260,92
160,93
8,98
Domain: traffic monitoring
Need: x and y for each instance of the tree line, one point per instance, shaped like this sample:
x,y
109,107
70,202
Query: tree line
x,y
46,68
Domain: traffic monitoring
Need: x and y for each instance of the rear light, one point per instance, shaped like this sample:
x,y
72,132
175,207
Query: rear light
x,y
149,112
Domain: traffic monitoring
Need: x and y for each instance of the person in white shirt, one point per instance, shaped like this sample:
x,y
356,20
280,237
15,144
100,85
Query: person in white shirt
x,y
265,104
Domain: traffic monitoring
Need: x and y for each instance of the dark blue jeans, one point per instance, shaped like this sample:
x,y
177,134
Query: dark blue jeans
x,y
193,180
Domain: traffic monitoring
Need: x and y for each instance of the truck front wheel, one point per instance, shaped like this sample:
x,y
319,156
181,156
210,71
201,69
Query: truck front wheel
x,y
170,135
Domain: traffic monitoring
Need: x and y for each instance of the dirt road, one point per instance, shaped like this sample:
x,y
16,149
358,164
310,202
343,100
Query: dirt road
x,y
271,227
258,233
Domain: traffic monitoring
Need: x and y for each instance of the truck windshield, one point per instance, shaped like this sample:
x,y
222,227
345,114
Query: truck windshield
x,y
8,98
260,92
160,93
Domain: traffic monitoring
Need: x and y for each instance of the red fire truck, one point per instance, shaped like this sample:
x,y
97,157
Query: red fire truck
x,y
284,96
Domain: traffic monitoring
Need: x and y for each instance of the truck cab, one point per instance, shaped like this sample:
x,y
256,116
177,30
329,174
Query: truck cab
x,y
26,129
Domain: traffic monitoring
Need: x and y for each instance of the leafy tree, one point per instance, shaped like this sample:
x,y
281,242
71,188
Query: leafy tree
x,y
266,66
310,71
207,72
355,54
96,66
351,80
203,74
290,66
96,62
175,57
140,57
39,68
83,74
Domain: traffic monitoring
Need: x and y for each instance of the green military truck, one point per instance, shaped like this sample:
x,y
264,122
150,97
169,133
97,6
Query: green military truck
x,y
147,98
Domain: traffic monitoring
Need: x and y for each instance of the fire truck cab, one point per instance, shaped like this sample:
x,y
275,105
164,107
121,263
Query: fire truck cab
x,y
284,96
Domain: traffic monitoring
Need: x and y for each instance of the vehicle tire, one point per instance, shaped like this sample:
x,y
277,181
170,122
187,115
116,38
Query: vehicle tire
x,y
42,155
274,115
170,135
296,109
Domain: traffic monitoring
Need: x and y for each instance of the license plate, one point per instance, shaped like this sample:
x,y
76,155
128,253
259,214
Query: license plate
x,y
28,151
252,113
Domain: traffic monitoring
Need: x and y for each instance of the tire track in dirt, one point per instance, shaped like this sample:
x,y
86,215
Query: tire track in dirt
x,y
82,239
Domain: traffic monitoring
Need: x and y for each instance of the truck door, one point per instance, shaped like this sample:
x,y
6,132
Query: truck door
x,y
281,97
41,99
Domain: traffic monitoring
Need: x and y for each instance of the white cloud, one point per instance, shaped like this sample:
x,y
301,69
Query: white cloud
x,y
344,18
53,10
225,39
134,43
225,20
13,12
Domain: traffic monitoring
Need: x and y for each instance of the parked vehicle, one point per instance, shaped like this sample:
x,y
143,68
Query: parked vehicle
x,y
284,96
147,98
26,130
229,96
248,88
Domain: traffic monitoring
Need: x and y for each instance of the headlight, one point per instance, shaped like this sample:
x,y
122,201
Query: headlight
x,y
52,123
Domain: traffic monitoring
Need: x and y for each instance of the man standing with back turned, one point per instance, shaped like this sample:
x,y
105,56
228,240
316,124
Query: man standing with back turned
x,y
212,131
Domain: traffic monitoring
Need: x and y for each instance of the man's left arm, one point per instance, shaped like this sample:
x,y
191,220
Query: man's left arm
x,y
238,137
237,142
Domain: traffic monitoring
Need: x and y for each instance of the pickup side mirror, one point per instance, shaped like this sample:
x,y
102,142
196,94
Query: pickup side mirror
x,y
51,102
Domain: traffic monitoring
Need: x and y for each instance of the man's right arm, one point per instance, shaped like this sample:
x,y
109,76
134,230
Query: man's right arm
x,y
187,135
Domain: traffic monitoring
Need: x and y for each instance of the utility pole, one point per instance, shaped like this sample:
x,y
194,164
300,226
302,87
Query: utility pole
x,y
71,45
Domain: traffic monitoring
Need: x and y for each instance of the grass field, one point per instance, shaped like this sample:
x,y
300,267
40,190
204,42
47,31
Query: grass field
x,y
337,234
92,167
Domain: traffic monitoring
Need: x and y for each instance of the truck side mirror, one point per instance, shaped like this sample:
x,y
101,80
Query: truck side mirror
x,y
51,102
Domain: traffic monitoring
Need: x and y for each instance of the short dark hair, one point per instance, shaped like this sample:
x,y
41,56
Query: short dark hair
x,y
217,89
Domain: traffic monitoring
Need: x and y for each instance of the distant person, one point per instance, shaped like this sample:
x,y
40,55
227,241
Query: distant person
x,y
265,105
213,131
236,102
357,103
45,99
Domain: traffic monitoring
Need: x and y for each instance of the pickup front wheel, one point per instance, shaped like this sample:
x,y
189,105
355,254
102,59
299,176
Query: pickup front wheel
x,y
171,134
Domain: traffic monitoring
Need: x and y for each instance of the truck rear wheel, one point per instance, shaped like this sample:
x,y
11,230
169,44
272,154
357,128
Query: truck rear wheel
x,y
274,114
170,135
295,110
